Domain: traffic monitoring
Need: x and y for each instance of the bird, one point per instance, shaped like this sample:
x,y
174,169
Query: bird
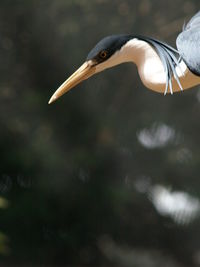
x,y
161,67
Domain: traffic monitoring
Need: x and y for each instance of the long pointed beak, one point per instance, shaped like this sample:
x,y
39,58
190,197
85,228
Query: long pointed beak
x,y
84,72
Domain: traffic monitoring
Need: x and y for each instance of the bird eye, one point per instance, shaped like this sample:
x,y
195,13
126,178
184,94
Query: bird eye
x,y
103,54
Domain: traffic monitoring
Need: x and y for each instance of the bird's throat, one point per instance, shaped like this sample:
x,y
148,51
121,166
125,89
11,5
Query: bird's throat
x,y
151,69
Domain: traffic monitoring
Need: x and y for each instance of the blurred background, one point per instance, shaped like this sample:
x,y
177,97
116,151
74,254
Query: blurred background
x,y
109,175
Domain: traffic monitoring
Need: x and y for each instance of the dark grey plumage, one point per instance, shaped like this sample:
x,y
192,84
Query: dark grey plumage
x,y
111,44
188,44
168,56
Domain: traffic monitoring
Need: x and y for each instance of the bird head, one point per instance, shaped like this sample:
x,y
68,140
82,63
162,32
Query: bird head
x,y
106,54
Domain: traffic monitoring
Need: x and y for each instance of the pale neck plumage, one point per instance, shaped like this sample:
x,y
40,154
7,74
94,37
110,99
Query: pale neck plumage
x,y
150,67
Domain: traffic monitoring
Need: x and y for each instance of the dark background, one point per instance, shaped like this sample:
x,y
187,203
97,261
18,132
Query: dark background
x,y
109,175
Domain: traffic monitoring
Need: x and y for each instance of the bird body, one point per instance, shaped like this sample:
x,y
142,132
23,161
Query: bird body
x,y
188,44
161,68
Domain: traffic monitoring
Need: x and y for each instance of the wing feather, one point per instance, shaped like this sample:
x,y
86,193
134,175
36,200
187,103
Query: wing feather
x,y
188,44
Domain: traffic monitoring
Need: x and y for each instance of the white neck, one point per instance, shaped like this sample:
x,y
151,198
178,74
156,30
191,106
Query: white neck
x,y
150,67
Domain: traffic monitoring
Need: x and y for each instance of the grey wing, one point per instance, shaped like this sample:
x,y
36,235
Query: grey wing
x,y
188,44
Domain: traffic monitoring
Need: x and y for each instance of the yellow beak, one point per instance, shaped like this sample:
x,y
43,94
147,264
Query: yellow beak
x,y
83,73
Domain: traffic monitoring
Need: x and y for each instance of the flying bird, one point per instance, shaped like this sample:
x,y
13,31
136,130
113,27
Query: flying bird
x,y
161,67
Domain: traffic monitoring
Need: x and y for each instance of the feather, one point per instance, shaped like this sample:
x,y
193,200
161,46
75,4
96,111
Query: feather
x,y
169,57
